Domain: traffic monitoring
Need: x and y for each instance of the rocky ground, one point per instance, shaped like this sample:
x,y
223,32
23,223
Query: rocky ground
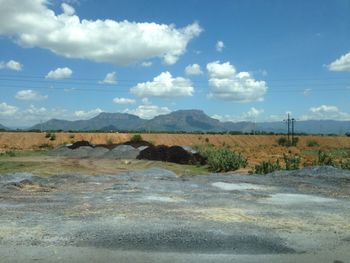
x,y
154,215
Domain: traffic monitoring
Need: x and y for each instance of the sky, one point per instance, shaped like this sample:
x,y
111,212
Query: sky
x,y
235,60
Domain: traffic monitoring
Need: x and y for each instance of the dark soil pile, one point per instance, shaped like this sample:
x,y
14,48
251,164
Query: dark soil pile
x,y
79,144
174,154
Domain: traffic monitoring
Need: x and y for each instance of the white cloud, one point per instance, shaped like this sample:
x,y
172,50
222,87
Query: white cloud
x,y
148,111
327,112
164,85
11,64
80,114
146,64
29,95
219,46
193,69
31,23
227,84
7,110
109,79
307,92
60,73
341,64
123,101
251,115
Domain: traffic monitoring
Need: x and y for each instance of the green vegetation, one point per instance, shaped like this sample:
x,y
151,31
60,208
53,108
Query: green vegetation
x,y
51,136
325,158
283,141
292,162
221,160
109,141
136,138
312,143
266,167
345,164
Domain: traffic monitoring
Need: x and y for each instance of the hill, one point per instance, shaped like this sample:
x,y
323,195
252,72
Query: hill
x,y
2,127
188,121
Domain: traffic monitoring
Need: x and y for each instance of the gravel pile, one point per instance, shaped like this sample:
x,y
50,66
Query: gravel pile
x,y
130,150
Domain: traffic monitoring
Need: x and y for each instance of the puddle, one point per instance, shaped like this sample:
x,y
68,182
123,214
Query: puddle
x,y
239,186
291,199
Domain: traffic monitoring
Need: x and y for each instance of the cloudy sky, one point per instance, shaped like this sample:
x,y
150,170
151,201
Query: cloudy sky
x,y
236,60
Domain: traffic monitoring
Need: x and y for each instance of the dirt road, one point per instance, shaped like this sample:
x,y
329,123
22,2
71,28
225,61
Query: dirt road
x,y
156,216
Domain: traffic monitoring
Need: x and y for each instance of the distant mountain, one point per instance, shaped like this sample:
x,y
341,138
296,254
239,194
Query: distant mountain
x,y
188,121
2,127
184,120
104,121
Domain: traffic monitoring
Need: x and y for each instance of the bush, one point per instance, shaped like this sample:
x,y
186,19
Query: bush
x,y
291,162
52,136
283,141
312,143
325,159
109,141
267,167
8,154
136,138
48,135
345,164
224,160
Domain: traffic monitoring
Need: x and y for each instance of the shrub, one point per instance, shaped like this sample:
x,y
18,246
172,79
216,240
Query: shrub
x,y
312,143
109,141
282,141
52,136
136,138
224,160
325,159
291,162
48,135
266,167
345,164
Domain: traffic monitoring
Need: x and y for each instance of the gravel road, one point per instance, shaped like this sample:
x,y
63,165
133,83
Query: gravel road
x,y
156,216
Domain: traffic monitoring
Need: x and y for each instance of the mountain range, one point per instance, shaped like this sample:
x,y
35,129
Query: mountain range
x,y
187,121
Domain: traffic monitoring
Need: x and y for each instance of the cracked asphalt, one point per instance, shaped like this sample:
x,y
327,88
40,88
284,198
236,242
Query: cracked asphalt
x,y
154,215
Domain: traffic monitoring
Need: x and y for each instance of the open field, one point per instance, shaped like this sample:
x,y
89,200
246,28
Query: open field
x,y
255,147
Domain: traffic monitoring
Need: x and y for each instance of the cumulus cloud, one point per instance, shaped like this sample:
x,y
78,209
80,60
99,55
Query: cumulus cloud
x,y
29,95
7,110
164,85
327,112
227,84
123,101
11,64
60,73
219,46
146,64
193,69
31,23
251,115
109,79
341,64
80,114
148,111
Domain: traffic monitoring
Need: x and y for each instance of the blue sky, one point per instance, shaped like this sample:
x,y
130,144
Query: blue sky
x,y
236,60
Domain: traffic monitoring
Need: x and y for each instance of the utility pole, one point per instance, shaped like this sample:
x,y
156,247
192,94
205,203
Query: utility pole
x,y
293,122
288,120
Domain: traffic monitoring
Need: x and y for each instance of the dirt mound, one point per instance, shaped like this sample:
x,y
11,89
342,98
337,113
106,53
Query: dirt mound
x,y
79,144
174,154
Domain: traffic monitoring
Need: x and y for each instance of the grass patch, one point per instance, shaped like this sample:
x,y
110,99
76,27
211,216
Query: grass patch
x,y
25,153
7,167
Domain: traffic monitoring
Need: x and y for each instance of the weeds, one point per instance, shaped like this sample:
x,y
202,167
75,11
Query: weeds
x,y
312,143
266,167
